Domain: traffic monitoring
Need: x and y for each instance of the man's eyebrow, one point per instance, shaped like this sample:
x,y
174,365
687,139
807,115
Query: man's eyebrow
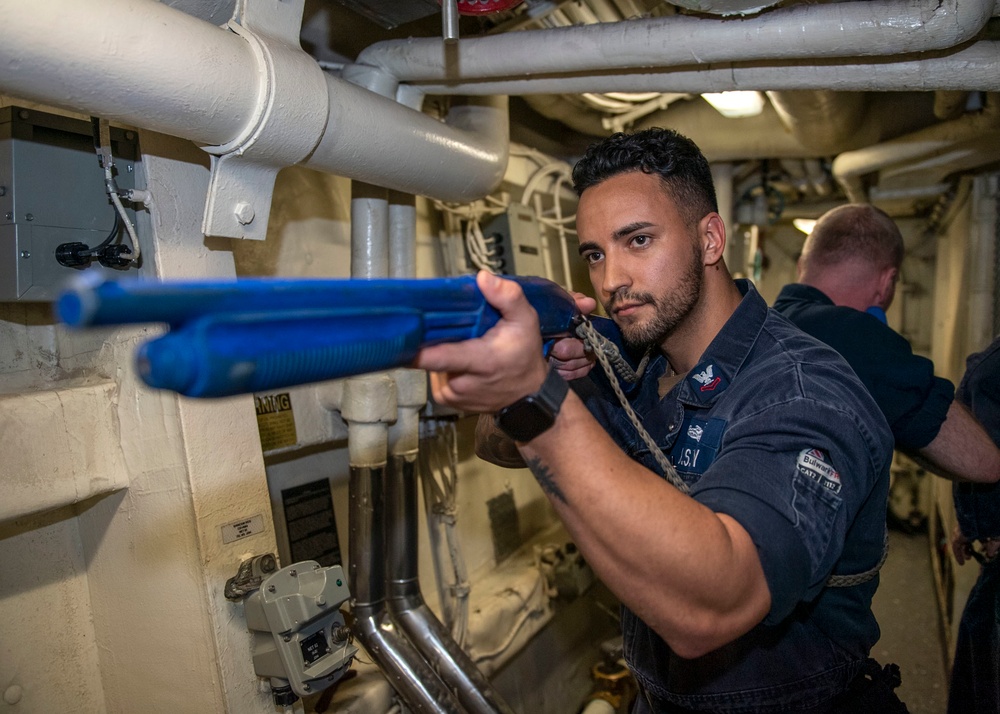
x,y
619,234
630,229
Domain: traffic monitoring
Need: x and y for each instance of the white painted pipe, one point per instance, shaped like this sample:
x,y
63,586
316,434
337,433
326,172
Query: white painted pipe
x,y
146,64
133,61
369,231
377,140
973,69
801,31
849,167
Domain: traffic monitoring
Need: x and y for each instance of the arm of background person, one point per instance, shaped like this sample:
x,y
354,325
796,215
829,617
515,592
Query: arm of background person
x,y
962,450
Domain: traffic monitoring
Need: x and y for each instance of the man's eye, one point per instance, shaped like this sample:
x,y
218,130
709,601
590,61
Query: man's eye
x,y
592,258
640,240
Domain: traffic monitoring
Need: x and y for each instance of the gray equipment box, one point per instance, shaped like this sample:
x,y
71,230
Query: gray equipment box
x,y
52,192
520,236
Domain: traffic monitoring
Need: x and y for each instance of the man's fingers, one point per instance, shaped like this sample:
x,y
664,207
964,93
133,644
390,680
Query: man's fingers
x,y
584,303
448,357
568,348
506,296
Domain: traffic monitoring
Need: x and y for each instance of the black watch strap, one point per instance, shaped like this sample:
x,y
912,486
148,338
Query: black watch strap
x,y
530,416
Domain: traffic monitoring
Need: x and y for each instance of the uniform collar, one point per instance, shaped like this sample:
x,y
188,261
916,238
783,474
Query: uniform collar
x,y
801,291
720,363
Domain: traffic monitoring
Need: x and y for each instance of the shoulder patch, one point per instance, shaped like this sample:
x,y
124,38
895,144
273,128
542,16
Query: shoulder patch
x,y
815,464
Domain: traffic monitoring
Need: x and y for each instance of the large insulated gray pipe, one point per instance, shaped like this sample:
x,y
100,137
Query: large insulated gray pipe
x,y
851,29
972,68
146,64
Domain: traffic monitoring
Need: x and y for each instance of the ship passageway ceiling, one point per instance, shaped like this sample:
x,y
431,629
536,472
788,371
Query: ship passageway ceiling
x,y
901,89
883,100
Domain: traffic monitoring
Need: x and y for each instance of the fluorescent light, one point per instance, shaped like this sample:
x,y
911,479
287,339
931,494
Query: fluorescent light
x,y
804,224
736,104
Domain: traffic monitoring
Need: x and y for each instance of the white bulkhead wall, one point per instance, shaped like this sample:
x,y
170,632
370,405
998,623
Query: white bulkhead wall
x,y
113,601
116,603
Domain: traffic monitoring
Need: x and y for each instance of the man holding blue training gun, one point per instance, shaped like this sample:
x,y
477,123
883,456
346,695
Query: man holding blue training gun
x,y
731,490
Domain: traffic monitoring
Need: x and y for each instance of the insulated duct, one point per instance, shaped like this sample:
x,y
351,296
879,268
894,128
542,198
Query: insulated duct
x,y
973,137
852,29
972,68
146,64
721,139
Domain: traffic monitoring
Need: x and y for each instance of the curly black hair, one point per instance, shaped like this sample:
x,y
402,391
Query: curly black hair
x,y
673,157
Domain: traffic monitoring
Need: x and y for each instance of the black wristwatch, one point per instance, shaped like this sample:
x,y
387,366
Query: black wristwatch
x,y
531,415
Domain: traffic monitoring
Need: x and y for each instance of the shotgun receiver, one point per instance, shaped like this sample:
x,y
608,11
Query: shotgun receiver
x,y
258,334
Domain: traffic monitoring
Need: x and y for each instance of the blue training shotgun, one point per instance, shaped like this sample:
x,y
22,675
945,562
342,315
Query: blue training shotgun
x,y
258,334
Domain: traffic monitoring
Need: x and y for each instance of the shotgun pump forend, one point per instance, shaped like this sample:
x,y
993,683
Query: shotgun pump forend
x,y
258,334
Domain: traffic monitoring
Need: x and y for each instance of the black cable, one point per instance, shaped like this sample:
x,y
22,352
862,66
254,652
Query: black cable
x,y
115,230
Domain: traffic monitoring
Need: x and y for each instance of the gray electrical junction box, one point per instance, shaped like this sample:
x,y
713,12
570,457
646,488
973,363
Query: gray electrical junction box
x,y
52,192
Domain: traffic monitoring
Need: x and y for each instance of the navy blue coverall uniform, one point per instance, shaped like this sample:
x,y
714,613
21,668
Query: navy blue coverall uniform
x,y
914,401
773,429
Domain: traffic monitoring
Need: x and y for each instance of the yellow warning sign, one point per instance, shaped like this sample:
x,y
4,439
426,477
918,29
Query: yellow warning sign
x,y
275,420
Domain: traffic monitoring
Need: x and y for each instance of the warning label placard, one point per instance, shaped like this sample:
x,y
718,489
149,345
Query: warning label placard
x,y
275,420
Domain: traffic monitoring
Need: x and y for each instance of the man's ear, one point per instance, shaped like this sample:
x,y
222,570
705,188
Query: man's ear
x,y
712,232
886,287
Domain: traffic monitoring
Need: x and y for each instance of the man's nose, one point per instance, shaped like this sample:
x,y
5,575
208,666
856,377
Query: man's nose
x,y
615,277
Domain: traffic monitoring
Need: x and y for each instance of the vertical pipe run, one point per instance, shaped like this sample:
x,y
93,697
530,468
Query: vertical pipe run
x,y
408,674
449,20
402,235
406,603
369,404
422,627
369,231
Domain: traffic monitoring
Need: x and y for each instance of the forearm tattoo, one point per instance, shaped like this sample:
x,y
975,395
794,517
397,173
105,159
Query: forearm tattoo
x,y
494,446
545,480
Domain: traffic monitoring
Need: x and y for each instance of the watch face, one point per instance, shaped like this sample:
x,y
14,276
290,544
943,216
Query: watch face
x,y
525,419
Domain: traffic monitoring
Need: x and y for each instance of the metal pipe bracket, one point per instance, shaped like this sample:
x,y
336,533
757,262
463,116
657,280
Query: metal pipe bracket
x,y
289,120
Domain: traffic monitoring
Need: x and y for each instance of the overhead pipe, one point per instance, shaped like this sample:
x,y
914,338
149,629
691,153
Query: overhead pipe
x,y
972,68
146,64
405,600
850,29
825,120
850,168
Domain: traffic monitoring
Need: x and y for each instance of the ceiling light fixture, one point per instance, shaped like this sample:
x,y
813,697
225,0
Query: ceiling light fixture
x,y
736,104
804,224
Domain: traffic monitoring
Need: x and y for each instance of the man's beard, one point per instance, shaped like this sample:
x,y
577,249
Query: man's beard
x,y
670,310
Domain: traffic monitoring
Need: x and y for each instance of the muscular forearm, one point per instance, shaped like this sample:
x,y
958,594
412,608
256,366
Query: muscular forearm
x,y
962,450
693,575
